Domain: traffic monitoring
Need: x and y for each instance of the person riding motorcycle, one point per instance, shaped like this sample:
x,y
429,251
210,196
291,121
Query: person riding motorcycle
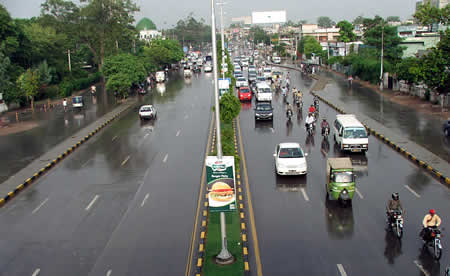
x,y
289,109
312,109
324,125
430,221
283,90
393,205
309,120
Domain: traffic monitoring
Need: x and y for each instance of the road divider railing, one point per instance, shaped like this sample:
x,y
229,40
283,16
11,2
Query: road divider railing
x,y
59,158
422,164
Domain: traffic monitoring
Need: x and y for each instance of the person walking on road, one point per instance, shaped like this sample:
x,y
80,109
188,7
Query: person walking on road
x,y
65,104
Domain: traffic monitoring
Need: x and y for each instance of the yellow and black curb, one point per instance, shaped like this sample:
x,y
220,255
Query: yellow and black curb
x,y
422,164
242,216
35,176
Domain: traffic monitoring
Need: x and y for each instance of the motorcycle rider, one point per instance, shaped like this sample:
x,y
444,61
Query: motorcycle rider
x,y
283,91
309,120
394,204
430,221
312,109
324,125
289,109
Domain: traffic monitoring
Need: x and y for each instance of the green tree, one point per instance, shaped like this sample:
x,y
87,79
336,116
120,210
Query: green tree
x,y
393,19
5,81
358,20
258,35
346,33
121,71
392,49
312,46
163,52
409,70
192,31
230,106
427,14
28,82
325,22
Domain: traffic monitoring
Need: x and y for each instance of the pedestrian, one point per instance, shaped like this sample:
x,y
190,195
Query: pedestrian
x,y
65,104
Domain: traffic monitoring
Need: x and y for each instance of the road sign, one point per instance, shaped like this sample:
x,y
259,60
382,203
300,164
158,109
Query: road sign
x,y
221,185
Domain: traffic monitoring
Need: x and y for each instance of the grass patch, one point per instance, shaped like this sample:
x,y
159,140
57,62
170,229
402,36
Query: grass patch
x,y
213,246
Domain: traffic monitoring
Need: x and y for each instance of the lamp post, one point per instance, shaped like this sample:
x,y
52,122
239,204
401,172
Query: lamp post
x,y
224,256
222,38
382,53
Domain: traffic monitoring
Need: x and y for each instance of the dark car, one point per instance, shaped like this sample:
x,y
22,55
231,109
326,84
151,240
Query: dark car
x,y
446,128
263,111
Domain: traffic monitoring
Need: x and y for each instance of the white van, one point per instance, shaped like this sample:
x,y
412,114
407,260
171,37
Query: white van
x,y
263,92
350,134
276,60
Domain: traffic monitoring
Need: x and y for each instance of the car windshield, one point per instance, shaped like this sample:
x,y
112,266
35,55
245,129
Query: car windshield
x,y
263,107
261,79
267,70
265,90
241,79
245,90
290,153
355,133
147,108
343,177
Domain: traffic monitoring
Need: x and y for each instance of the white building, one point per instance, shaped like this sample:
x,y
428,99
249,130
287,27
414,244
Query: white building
x,y
148,35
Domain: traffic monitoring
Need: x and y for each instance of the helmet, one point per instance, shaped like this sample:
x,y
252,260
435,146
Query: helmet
x,y
325,120
432,212
395,196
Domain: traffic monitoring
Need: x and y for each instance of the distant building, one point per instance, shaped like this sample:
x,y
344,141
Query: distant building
x,y
243,20
321,34
147,30
419,44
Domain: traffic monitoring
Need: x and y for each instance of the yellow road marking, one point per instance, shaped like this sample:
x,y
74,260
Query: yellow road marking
x,y
250,207
197,213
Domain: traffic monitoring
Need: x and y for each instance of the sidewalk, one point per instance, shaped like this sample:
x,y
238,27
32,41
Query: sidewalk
x,y
35,166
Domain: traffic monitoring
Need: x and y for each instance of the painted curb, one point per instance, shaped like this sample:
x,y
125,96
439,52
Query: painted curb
x,y
59,158
242,216
421,164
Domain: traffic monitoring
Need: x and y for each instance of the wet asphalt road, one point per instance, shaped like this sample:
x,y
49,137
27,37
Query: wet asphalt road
x,y
124,203
54,126
300,233
419,127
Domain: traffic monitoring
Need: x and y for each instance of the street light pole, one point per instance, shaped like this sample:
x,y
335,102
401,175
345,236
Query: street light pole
x,y
224,256
223,39
382,53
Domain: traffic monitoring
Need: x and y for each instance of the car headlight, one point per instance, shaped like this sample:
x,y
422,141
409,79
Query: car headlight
x,y
364,146
270,114
345,146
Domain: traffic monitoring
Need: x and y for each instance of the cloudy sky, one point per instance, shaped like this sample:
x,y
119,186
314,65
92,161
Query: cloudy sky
x,y
166,13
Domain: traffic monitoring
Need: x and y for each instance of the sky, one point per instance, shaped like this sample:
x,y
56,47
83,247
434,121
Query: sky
x,y
166,13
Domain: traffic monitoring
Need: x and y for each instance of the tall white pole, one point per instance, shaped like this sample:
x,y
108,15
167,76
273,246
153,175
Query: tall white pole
x,y
382,53
224,255
223,40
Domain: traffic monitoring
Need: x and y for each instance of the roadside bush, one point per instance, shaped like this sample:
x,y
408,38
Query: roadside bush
x,y
69,85
50,92
230,106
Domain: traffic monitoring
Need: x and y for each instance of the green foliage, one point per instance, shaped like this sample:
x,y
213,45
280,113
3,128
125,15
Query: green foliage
x,y
311,45
409,70
325,22
28,82
336,59
358,20
5,82
393,19
435,66
258,35
230,106
392,50
50,92
427,14
45,73
346,33
69,85
122,71
192,31
162,53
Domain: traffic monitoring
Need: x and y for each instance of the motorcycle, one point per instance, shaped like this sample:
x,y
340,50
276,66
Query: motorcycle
x,y
433,242
299,102
316,104
395,221
326,131
310,129
289,114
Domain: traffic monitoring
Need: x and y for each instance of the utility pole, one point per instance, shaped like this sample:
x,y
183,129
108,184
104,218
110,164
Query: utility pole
x,y
68,57
222,38
224,256
382,53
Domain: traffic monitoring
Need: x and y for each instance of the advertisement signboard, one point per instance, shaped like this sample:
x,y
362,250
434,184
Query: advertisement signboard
x,y
221,184
269,17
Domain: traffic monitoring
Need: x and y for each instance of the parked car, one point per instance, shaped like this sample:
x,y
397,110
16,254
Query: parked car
x,y
263,111
147,112
290,159
446,128
245,93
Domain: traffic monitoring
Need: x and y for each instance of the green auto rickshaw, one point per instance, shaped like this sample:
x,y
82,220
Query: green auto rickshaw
x,y
340,179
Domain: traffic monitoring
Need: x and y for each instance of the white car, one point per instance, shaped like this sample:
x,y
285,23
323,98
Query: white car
x,y
207,67
241,82
147,112
276,60
290,159
267,73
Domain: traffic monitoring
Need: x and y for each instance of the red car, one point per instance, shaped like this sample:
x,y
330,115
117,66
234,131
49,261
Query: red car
x,y
245,94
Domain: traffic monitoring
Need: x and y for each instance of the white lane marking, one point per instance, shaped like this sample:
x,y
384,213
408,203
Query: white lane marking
x,y
114,138
40,205
412,191
92,202
273,130
426,273
126,160
145,199
145,136
341,270
359,193
178,133
304,194
36,272
109,272
165,158
186,116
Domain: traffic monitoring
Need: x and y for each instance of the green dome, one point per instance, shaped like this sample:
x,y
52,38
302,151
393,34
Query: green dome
x,y
145,24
